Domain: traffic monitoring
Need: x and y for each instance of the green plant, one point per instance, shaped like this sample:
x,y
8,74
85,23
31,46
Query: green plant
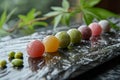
x,y
30,20
86,8
3,20
62,15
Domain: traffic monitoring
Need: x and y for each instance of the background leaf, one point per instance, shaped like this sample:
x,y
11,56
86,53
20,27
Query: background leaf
x,y
94,14
65,4
91,3
53,13
40,24
57,8
21,24
57,20
3,18
82,3
22,17
66,18
103,14
10,14
31,14
87,18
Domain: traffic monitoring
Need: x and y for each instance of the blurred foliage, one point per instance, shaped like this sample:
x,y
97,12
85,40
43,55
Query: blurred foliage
x,y
60,13
85,7
29,20
30,16
24,6
3,20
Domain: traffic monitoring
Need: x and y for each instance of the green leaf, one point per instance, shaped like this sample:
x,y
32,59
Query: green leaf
x,y
30,27
66,18
31,14
3,18
10,14
88,3
21,24
57,8
82,3
22,17
24,20
89,12
54,13
91,3
40,23
65,4
57,20
87,18
103,14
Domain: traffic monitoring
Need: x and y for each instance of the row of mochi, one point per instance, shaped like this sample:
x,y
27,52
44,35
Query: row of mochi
x,y
51,43
94,29
62,39
83,32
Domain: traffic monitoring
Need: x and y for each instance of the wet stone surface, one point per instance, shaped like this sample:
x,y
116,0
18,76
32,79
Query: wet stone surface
x,y
113,74
64,64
